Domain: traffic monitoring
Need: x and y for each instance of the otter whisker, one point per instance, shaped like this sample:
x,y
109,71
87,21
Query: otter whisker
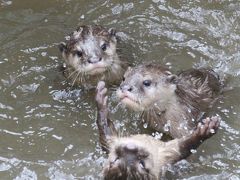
x,y
109,69
79,78
76,78
105,147
82,77
71,74
120,134
114,88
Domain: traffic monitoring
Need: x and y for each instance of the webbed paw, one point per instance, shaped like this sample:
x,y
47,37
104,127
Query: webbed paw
x,y
207,128
101,97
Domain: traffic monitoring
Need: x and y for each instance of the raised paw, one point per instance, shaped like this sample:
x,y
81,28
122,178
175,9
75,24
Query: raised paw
x,y
207,128
101,97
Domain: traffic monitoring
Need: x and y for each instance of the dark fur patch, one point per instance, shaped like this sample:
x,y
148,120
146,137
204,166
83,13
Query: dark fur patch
x,y
62,47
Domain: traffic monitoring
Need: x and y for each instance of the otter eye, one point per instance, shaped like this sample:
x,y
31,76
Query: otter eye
x,y
142,164
117,158
104,47
123,79
78,53
147,83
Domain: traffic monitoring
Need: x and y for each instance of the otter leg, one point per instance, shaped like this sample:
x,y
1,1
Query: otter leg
x,y
203,131
181,148
105,126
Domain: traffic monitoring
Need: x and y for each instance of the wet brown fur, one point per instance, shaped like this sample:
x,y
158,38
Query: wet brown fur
x,y
115,67
193,92
141,157
85,32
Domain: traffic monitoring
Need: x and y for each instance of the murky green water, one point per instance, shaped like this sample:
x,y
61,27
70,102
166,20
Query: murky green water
x,y
48,131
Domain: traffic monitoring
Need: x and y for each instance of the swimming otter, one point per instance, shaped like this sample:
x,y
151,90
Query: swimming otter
x,y
142,156
91,55
170,103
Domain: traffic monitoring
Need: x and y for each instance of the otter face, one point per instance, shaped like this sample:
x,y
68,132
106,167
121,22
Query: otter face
x,y
146,86
129,160
91,50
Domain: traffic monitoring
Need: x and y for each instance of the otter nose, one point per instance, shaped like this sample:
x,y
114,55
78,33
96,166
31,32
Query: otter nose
x,y
130,153
94,60
130,147
126,88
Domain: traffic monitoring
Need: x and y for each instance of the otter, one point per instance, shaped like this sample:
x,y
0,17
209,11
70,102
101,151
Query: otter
x,y
90,55
142,156
172,104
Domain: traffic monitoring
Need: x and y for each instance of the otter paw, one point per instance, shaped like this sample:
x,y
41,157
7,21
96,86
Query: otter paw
x,y
101,97
208,127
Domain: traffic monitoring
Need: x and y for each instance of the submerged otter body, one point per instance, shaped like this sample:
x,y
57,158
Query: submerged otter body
x,y
169,103
142,157
91,55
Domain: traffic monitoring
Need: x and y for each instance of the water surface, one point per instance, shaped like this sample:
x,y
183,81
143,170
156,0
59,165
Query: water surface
x,y
47,129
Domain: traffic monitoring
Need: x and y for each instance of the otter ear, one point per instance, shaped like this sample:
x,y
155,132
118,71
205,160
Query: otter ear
x,y
62,47
172,78
112,32
129,69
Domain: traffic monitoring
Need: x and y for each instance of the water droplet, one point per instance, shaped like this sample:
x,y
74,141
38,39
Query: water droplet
x,y
44,54
158,135
33,58
166,127
145,125
193,151
82,17
67,38
180,126
212,131
6,3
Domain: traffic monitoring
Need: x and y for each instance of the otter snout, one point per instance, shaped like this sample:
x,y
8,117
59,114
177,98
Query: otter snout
x,y
93,60
126,87
130,154
131,147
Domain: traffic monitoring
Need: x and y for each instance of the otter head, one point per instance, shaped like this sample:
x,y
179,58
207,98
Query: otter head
x,y
146,86
90,50
129,160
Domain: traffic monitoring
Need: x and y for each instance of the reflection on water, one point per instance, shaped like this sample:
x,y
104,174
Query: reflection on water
x,y
48,129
